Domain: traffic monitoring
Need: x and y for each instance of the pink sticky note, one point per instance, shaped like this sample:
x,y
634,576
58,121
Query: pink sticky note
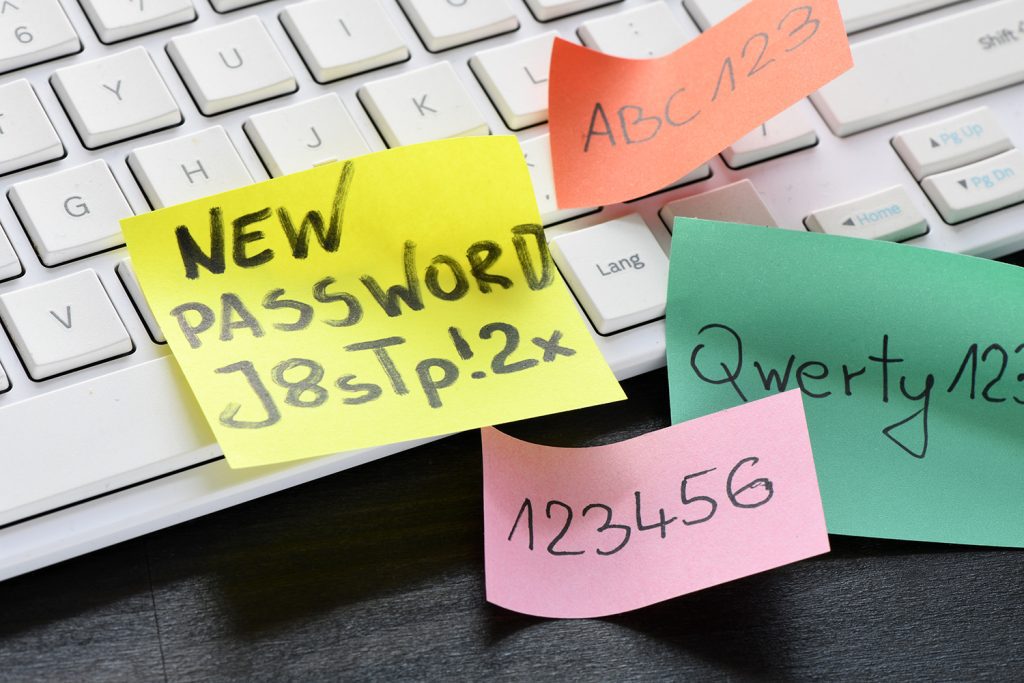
x,y
588,532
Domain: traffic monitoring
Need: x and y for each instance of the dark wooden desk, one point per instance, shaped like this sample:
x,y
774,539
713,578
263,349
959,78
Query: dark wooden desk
x,y
377,572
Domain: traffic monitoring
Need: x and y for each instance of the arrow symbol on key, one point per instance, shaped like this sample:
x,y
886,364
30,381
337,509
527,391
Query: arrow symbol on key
x,y
962,183
62,321
934,144
848,221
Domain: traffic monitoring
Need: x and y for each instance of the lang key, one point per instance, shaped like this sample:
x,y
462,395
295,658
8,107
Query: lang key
x,y
618,271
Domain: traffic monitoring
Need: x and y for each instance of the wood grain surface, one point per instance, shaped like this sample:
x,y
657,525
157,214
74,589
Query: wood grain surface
x,y
377,573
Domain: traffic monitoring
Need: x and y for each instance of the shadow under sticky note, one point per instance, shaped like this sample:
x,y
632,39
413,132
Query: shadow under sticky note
x,y
400,295
910,361
589,532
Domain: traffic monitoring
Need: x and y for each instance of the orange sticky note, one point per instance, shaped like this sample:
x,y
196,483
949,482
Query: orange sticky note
x,y
622,128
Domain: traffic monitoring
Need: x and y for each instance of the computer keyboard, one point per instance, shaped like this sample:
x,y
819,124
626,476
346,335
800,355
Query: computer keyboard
x,y
109,108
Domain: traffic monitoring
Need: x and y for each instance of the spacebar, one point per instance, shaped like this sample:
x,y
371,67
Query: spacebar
x,y
103,434
926,66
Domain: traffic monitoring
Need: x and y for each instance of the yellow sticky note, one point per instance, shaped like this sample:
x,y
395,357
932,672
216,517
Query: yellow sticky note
x,y
398,295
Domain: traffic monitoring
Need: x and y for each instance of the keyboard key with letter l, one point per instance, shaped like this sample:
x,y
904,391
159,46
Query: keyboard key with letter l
x,y
617,270
920,68
516,79
63,324
885,215
980,188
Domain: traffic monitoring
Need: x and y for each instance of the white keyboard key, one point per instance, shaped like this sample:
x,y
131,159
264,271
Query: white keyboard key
x,y
639,33
115,98
231,65
857,14
515,77
5,383
27,137
735,203
442,24
304,135
980,188
546,10
72,213
338,38
785,133
952,142
10,266
228,5
886,215
63,324
131,285
537,152
920,68
116,20
422,105
618,271
189,167
33,31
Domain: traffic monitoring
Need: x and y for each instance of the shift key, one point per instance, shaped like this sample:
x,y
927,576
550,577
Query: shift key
x,y
926,66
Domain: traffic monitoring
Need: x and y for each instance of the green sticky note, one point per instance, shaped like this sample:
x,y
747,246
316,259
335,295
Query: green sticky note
x,y
911,364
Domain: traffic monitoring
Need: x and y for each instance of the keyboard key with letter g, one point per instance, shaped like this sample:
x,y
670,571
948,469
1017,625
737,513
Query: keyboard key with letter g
x,y
617,270
64,324
71,213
